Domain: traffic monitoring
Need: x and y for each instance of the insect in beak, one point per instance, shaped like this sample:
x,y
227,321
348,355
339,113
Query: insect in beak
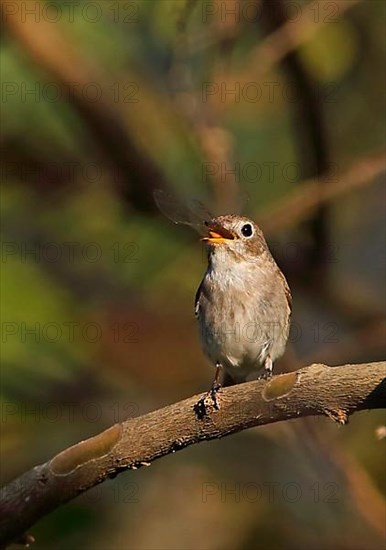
x,y
217,235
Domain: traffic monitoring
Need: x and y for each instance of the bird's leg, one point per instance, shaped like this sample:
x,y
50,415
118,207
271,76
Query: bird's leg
x,y
200,406
268,368
216,386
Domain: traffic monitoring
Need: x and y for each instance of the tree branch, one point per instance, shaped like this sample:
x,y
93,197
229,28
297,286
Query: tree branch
x,y
291,36
53,51
303,201
315,390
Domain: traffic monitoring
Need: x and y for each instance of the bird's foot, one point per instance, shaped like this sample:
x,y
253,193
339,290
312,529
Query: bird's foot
x,y
201,407
213,394
265,375
268,368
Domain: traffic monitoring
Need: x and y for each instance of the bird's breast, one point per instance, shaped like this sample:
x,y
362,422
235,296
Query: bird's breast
x,y
242,317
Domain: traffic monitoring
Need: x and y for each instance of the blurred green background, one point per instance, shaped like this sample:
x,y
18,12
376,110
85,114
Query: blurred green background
x,y
103,102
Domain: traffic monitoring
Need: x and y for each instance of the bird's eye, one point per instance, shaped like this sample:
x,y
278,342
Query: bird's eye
x,y
247,230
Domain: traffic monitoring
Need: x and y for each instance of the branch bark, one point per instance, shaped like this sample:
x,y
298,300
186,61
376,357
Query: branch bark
x,y
315,390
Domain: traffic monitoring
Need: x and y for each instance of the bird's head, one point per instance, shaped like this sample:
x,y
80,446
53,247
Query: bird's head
x,y
239,236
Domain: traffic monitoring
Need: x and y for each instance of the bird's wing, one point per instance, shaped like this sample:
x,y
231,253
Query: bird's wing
x,y
197,300
287,292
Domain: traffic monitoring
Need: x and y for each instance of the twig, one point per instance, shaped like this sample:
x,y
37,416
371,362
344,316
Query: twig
x,y
291,35
52,51
314,390
300,204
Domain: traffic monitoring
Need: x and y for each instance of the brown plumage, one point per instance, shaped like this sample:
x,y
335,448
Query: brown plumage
x,y
243,304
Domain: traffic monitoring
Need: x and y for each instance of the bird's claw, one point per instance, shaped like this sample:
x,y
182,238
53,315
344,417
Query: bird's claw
x,y
265,375
200,408
213,394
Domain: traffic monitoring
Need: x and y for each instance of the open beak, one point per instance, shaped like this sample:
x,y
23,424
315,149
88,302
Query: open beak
x,y
217,235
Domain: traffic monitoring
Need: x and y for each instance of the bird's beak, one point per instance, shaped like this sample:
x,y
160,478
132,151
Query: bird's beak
x,y
217,235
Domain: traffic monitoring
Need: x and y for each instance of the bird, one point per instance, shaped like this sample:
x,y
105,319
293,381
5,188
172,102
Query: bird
x,y
243,304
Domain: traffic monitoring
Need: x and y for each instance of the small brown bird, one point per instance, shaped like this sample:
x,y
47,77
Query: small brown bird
x,y
243,304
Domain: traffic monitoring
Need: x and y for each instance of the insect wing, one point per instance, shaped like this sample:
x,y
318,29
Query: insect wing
x,y
193,214
199,214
